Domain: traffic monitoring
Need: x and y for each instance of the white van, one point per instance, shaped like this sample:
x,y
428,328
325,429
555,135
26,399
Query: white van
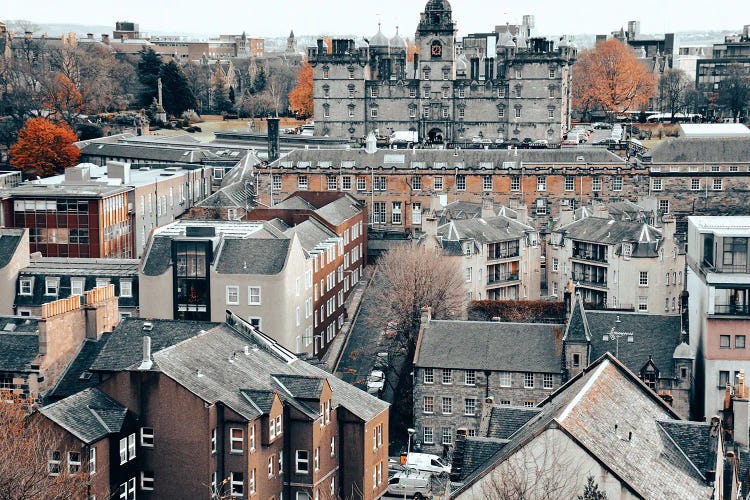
x,y
411,484
427,463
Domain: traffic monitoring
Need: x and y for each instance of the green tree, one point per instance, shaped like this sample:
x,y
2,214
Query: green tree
x,y
231,95
591,491
222,104
176,92
260,81
148,70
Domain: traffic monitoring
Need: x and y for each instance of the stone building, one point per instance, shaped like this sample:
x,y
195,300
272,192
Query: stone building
x,y
501,87
652,346
459,365
617,264
398,187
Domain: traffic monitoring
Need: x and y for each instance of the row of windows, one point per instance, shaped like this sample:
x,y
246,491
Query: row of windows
x,y
444,112
695,184
470,378
380,183
233,295
725,341
77,286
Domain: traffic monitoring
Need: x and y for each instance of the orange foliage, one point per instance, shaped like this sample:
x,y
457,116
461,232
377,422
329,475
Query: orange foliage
x,y
411,50
611,77
301,96
44,148
64,99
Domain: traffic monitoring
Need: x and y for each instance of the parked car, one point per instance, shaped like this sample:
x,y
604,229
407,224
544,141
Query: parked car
x,y
541,142
481,140
375,382
427,462
606,142
411,484
602,126
382,360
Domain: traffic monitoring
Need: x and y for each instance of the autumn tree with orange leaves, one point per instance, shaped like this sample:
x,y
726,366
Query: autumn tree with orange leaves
x,y
27,443
301,96
610,77
44,148
63,99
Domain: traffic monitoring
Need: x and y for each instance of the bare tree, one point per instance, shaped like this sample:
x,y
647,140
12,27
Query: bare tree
x,y
734,91
541,473
409,278
673,86
26,444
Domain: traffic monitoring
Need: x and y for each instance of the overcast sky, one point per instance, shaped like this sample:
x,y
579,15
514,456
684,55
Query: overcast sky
x,y
360,17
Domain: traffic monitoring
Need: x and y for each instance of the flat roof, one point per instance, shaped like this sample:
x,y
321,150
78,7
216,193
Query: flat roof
x,y
714,130
138,176
67,266
736,225
227,228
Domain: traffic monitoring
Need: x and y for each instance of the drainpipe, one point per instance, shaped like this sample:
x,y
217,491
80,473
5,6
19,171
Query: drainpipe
x,y
487,374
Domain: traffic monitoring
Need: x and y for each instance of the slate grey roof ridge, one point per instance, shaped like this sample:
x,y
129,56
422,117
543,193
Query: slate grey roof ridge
x,y
78,414
665,427
267,256
578,322
9,240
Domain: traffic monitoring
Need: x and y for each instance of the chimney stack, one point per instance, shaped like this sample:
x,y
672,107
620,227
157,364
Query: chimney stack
x,y
146,363
273,139
426,315
105,38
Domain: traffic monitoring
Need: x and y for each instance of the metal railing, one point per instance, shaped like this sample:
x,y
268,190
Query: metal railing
x,y
732,309
502,278
589,256
587,280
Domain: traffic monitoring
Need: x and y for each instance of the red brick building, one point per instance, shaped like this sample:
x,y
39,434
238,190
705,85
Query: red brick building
x,y
225,411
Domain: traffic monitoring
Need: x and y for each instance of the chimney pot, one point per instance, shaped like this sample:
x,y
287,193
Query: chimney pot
x,y
146,363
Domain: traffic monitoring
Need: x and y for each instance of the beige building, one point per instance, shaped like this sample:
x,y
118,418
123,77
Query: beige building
x,y
499,255
14,256
617,264
198,270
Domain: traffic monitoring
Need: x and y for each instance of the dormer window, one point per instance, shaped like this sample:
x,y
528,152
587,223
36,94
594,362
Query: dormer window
x,y
627,250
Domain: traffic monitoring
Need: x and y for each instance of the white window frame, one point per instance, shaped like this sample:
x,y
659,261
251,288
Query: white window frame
x,y
54,463
470,377
528,380
51,286
126,288
232,289
547,381
26,283
428,435
298,460
131,447
236,444
147,437
74,466
251,294
147,481
92,461
234,483
77,286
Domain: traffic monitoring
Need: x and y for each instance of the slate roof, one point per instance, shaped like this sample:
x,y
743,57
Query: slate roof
x,y
9,240
64,269
252,256
262,399
202,365
506,420
17,351
310,233
125,346
577,330
480,345
152,152
700,150
158,257
301,386
654,335
604,231
484,231
452,248
693,438
71,381
648,462
465,158
89,415
339,211
294,203
471,453
237,195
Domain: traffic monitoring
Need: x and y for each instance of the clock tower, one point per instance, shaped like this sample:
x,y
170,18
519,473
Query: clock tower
x,y
436,39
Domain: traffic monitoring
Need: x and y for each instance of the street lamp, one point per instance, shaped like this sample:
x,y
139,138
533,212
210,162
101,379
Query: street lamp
x,y
408,450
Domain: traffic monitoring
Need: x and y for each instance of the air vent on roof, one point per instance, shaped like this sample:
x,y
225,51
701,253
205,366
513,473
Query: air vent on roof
x,y
148,326
579,158
10,327
85,375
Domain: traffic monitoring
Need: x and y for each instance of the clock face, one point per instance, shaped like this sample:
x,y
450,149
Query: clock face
x,y
436,49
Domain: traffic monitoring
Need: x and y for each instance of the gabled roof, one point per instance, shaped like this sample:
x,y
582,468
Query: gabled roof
x,y
339,211
646,238
496,346
89,415
300,386
213,366
125,346
694,439
158,256
294,203
471,453
617,420
481,230
310,233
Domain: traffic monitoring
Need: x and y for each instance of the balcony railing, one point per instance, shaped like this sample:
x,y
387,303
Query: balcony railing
x,y
588,280
732,309
726,268
503,254
502,278
590,257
